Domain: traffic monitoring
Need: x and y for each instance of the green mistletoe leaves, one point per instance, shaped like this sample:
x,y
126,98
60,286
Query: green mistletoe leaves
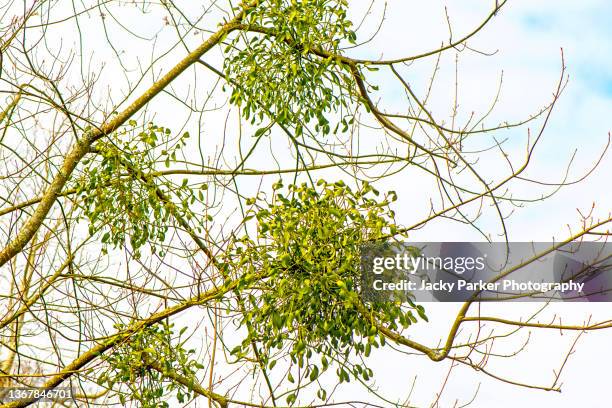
x,y
143,365
120,197
275,73
308,247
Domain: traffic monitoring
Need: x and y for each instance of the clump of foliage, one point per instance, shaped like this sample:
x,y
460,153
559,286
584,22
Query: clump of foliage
x,y
129,364
308,250
274,72
118,195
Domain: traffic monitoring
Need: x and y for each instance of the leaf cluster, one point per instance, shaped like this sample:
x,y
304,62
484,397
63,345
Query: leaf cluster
x,y
119,197
274,73
308,247
129,365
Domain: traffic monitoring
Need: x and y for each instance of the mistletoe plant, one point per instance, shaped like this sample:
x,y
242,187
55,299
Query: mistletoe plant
x,y
143,367
274,73
120,196
308,308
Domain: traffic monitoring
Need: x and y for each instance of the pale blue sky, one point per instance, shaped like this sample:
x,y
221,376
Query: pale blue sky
x,y
528,36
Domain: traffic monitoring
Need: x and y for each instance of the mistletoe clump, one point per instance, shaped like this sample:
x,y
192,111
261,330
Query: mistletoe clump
x,y
287,67
144,365
121,199
308,304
